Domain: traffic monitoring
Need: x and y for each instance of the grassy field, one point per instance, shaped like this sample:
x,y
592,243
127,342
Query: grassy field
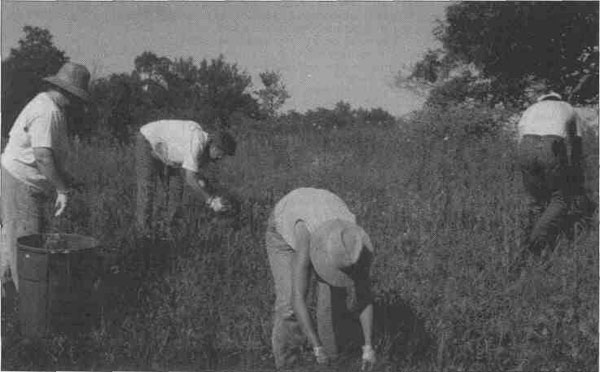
x,y
442,200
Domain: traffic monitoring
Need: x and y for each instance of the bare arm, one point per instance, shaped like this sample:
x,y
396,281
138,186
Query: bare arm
x,y
300,279
366,322
47,165
574,140
197,183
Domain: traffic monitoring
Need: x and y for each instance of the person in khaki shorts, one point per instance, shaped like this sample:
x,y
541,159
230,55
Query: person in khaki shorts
x,y
169,152
550,158
33,162
312,231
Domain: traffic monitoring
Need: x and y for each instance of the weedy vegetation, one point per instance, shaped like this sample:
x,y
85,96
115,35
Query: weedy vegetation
x,y
440,195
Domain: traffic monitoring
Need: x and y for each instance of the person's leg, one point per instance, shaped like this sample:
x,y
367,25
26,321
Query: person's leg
x,y
287,336
581,205
146,183
534,182
548,226
22,214
175,199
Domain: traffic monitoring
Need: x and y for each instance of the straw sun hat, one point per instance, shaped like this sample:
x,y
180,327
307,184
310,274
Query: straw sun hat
x,y
341,253
74,78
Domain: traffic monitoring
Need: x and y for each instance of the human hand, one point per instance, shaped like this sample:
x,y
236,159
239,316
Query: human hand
x,y
60,204
320,355
368,358
216,204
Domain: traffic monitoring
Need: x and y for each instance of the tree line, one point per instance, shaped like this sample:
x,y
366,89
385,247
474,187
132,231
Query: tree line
x,y
491,53
214,92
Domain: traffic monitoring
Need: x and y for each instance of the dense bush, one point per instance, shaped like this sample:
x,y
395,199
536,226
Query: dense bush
x,y
442,200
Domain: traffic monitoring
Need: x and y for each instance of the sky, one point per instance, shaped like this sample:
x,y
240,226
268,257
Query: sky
x,y
326,52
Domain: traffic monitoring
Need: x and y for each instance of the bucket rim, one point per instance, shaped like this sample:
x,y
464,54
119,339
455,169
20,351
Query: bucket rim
x,y
24,243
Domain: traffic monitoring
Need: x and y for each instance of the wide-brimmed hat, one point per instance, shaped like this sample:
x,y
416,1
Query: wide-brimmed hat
x,y
341,252
74,78
551,95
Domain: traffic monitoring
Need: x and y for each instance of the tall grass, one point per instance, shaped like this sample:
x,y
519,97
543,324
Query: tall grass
x,y
442,200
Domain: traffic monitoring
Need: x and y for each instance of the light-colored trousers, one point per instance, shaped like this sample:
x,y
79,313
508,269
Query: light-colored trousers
x,y
287,337
22,213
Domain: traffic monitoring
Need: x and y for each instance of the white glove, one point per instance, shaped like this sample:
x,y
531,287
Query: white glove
x,y
320,355
216,203
368,358
60,204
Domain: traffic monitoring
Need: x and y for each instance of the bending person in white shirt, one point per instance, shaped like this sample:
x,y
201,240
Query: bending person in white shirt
x,y
550,157
169,152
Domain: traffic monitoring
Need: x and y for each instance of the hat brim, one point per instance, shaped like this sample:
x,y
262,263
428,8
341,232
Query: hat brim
x,y
322,261
326,270
552,95
79,93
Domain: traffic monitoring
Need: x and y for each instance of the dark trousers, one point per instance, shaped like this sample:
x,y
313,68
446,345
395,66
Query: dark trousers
x,y
156,182
546,176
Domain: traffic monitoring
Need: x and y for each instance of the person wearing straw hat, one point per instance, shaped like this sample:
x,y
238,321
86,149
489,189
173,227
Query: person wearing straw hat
x,y
174,151
313,231
34,159
550,156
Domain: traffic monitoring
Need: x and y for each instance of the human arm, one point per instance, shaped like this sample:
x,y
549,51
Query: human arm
x,y
574,139
300,281
575,154
198,184
47,165
366,322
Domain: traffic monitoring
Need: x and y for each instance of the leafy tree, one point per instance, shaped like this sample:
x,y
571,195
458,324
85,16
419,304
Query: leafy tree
x,y
36,57
153,70
512,46
273,95
161,88
224,89
375,116
120,105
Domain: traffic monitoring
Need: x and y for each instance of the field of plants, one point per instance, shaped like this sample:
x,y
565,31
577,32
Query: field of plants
x,y
442,200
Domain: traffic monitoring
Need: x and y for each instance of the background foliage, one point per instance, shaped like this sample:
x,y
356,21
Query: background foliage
x,y
494,52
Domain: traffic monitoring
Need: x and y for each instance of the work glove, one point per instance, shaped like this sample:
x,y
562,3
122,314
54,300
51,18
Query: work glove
x,y
368,358
320,355
216,204
60,204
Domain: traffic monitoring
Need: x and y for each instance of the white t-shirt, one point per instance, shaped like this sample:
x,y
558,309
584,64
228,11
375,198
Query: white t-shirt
x,y
178,143
550,118
41,123
313,206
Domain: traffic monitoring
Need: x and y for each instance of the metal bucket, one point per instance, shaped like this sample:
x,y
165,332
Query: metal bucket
x,y
59,278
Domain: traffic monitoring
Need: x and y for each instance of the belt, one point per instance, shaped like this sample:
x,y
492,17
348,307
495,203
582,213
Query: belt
x,y
542,136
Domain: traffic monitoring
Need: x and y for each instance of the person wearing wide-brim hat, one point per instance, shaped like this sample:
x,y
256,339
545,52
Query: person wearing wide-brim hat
x,y
34,158
313,231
